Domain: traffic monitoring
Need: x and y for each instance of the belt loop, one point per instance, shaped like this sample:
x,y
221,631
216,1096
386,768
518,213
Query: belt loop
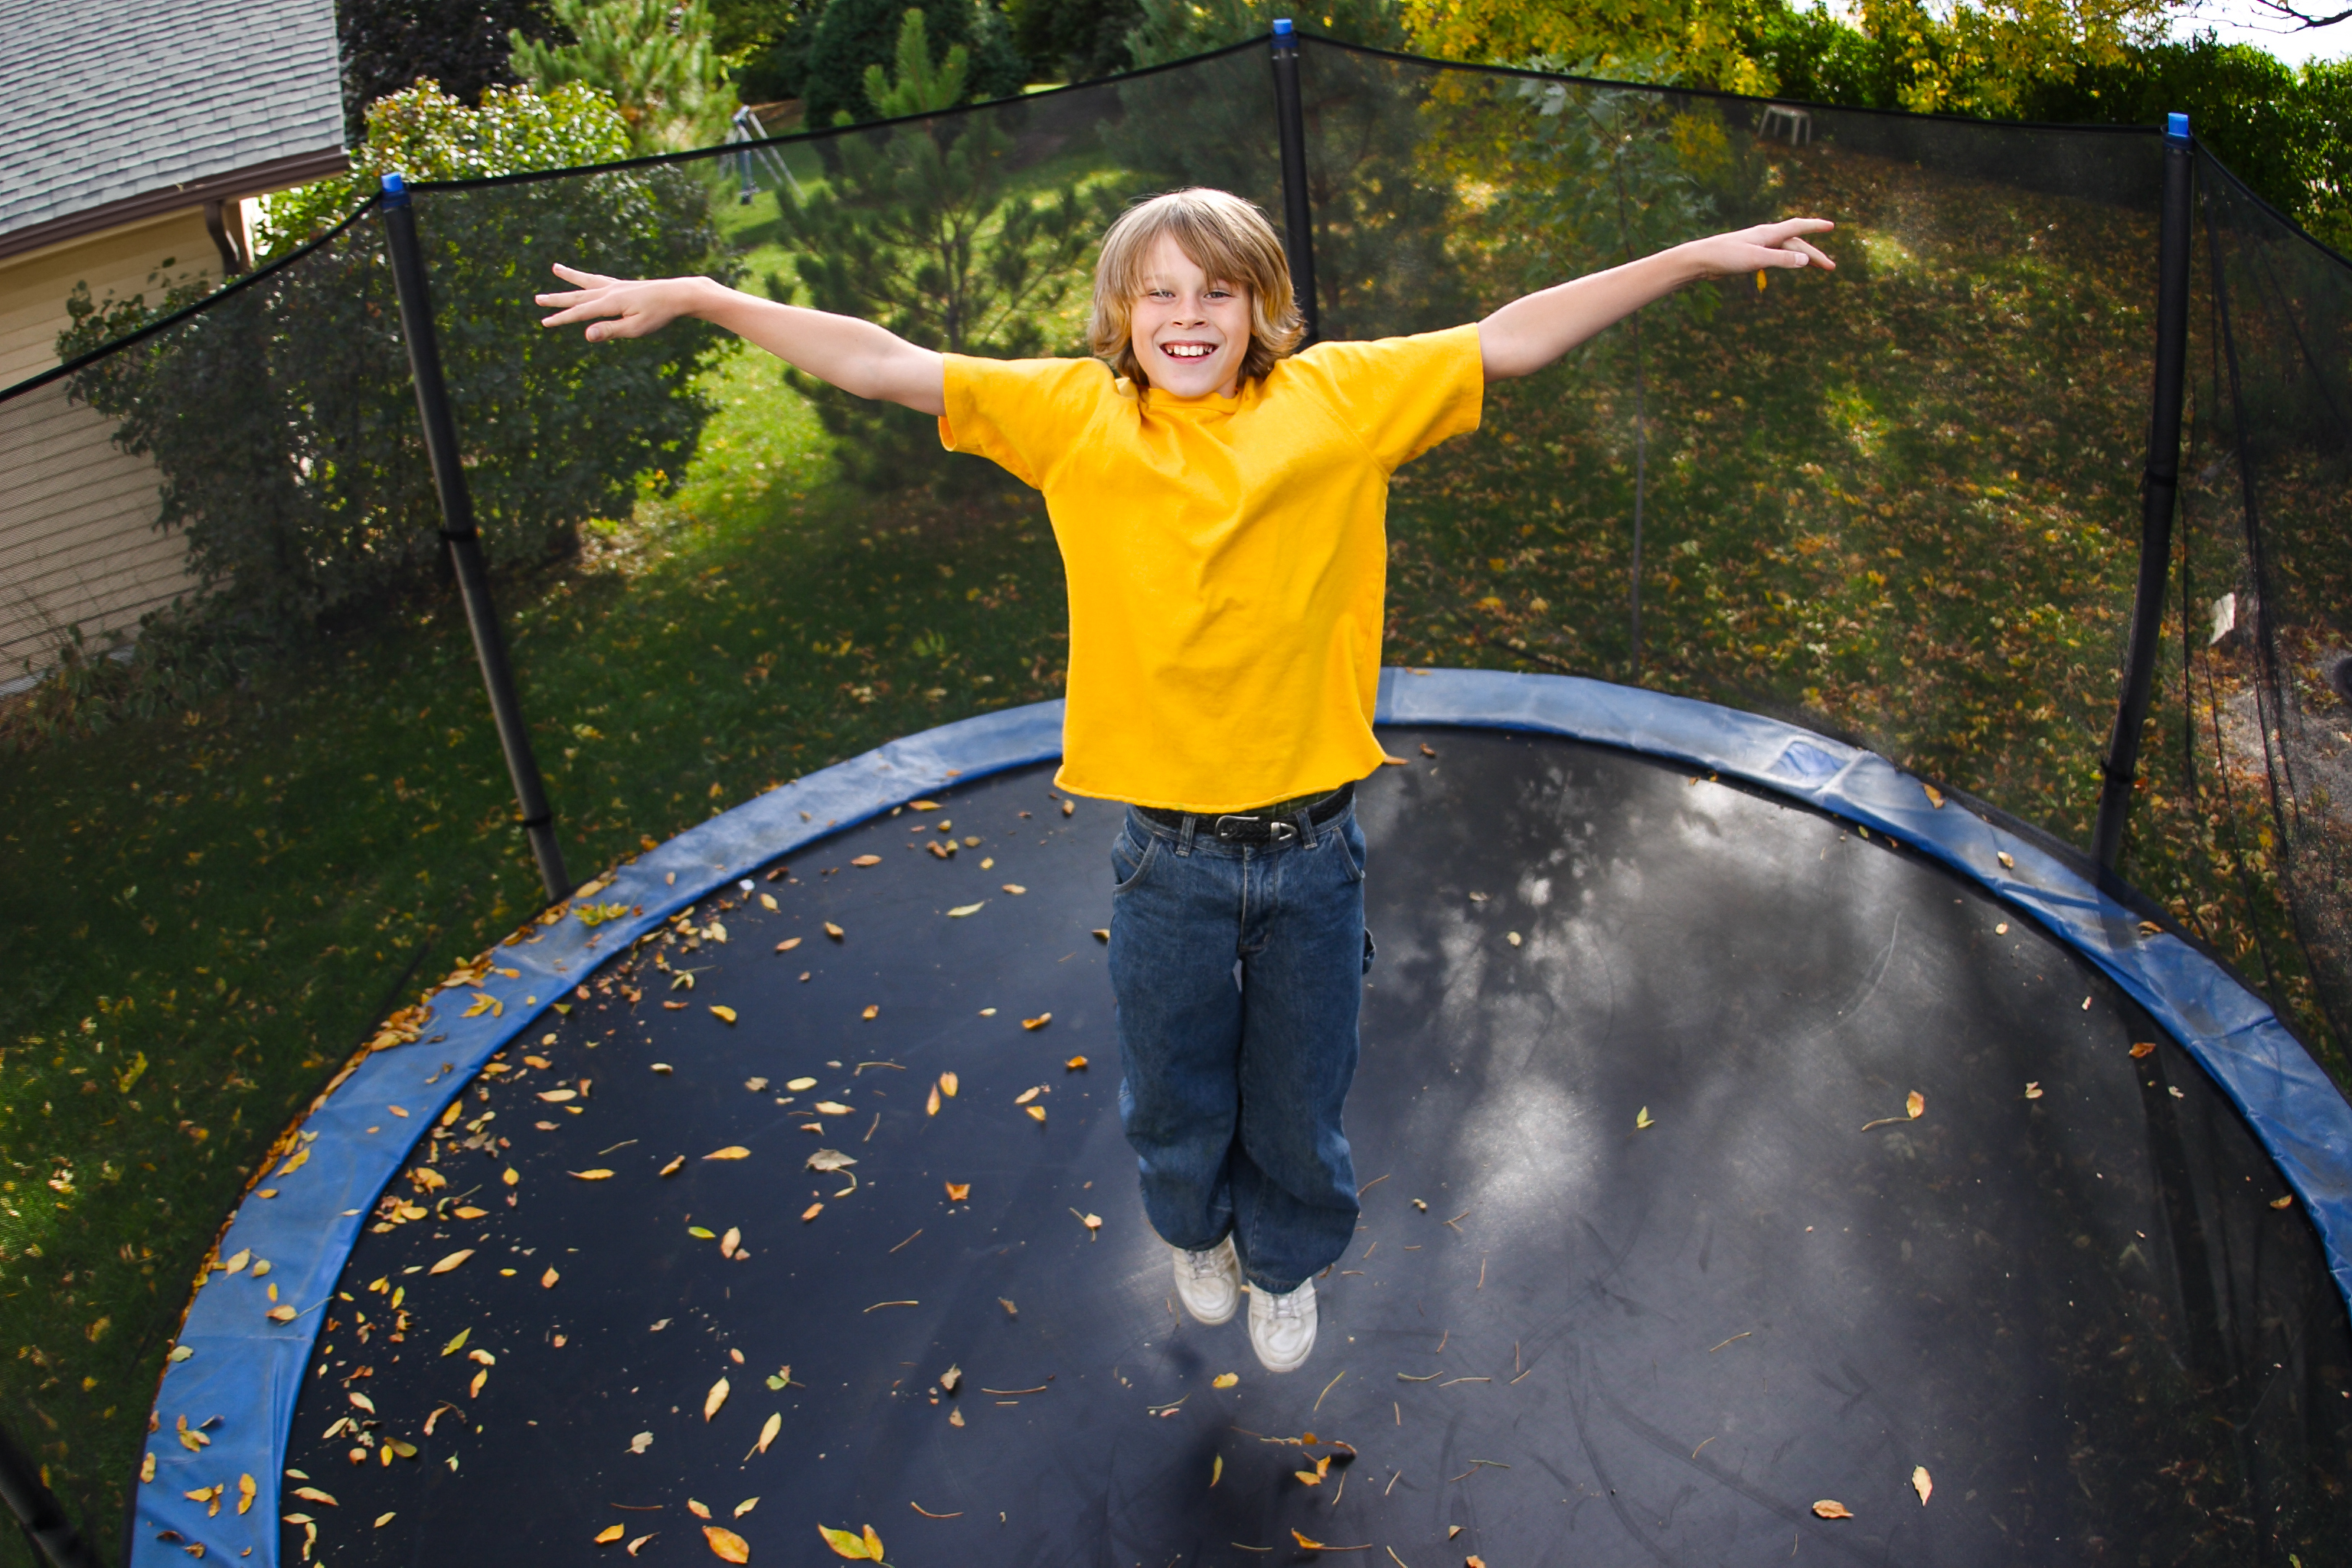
x,y
1305,817
1184,835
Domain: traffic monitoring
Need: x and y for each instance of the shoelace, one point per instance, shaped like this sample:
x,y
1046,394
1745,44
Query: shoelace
x,y
1290,1305
1204,1264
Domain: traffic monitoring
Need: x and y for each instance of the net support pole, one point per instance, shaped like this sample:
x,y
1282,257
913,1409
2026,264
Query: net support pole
x,y
2160,484
1298,213
55,1542
463,538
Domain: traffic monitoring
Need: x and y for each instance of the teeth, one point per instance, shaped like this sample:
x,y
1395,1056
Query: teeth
x,y
1186,351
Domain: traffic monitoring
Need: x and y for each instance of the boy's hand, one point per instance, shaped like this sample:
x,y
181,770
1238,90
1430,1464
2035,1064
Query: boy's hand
x,y
1747,250
618,307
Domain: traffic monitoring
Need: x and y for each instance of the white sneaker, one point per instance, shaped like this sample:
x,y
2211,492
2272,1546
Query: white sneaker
x,y
1208,1283
1282,1328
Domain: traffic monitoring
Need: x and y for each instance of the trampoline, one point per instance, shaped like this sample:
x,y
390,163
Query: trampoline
x,y
1745,1129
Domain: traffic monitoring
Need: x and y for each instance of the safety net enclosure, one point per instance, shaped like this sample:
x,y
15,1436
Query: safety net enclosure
x,y
1899,507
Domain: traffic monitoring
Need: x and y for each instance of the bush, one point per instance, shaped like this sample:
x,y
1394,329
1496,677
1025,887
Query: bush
x,y
652,58
389,45
282,418
856,34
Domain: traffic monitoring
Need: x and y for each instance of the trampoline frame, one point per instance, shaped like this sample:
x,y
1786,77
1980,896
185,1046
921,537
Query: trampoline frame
x,y
249,1371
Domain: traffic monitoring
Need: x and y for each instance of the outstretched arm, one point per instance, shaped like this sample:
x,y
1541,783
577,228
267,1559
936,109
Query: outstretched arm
x,y
856,356
1531,331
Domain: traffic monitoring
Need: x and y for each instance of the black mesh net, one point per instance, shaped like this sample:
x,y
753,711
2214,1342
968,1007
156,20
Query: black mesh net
x,y
1900,505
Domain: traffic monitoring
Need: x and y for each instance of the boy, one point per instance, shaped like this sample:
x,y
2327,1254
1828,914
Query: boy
x,y
1220,510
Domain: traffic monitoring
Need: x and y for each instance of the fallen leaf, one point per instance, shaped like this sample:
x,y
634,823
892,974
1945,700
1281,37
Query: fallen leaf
x,y
960,911
281,1313
834,930
922,805
1010,1309
700,1233
955,1417
957,1191
789,944
767,902
1091,1221
1914,1105
726,1545
2285,1201
2143,1048
829,1160
244,1493
931,1105
547,1280
867,861
729,1243
726,1015
1216,1470
949,1378
383,1519
768,1430
1026,1095
1036,1113
662,1067
948,1084
558,1095
1935,796
1015,889
474,1390
699,1509
1830,1507
832,1107
634,1547
312,1494
1922,1483
1100,933
714,1399
236,1265
746,1505
1303,1541
1641,1119
2034,1092
873,1010
1224,1380
1068,807
451,1261
846,1544
609,1534
2002,856
468,1211
810,1212
676,1164
1039,1022
599,1174
732,1152
641,1442
798,1084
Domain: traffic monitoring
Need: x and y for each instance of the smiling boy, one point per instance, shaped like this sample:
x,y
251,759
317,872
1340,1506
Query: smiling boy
x,y
1220,503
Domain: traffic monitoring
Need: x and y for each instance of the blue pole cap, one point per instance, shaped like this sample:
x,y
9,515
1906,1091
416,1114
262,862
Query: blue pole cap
x,y
1282,27
2176,129
395,190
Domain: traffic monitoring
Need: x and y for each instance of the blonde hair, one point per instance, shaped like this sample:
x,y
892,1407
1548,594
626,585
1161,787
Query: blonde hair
x,y
1228,238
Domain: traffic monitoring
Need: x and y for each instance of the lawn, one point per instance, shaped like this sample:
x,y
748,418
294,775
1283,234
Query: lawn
x,y
1902,506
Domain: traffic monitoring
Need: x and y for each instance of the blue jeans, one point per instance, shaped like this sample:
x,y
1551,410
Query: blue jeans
x,y
1235,1078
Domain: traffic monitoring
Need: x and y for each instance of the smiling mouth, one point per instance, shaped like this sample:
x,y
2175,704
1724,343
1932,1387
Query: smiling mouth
x,y
1187,350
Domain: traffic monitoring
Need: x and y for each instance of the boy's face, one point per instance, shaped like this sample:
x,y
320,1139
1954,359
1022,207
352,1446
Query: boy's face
x,y
1189,331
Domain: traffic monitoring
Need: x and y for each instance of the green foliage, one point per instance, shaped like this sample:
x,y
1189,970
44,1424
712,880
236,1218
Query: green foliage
x,y
854,34
919,232
282,418
920,88
766,44
1072,40
1171,29
390,45
654,59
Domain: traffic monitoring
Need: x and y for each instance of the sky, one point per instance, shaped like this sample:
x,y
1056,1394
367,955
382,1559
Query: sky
x,y
2243,22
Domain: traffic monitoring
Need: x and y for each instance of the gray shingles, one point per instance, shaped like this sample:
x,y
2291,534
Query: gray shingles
x,y
106,99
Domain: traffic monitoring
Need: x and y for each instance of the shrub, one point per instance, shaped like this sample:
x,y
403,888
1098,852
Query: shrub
x,y
654,59
389,45
282,418
854,34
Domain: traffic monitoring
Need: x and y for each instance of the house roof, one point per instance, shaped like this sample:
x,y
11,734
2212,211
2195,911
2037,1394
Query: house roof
x,y
119,108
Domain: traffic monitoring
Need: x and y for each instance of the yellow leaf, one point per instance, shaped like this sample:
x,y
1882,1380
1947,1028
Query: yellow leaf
x,y
2003,856
702,1234
957,1191
558,1095
676,1164
599,1174
474,1389
867,861
960,911
1641,1119
1216,1470
810,1212
789,944
714,1399
798,1084
732,1152
1224,1380
948,1084
244,1493
547,1280
483,1003
1015,889
1303,1541
1830,1507
2143,1048
1922,1483
726,1015
845,1545
931,1105
873,1010
1026,1095
1036,1113
302,1156
282,1314
775,1424
1935,796
512,1176
312,1494
731,1241
873,1544
1091,1221
699,1509
726,1545
1076,1064
468,1211
922,805
1914,1105
834,930
746,1505
609,1534
2285,1201
635,1546
2034,1092
451,1261
832,1107
1039,1022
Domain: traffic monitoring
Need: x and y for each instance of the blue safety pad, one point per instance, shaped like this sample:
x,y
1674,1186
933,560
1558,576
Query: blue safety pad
x,y
239,1384
2293,1108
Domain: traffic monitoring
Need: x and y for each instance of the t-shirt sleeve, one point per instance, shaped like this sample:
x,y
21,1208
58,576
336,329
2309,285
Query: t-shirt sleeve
x,y
1022,414
1403,395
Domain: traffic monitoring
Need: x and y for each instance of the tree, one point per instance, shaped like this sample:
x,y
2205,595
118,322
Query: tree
x,y
1072,40
653,57
854,34
1171,29
918,231
1708,41
282,419
765,44
388,45
1989,58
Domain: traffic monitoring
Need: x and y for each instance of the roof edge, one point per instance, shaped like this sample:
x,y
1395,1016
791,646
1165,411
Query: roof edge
x,y
254,179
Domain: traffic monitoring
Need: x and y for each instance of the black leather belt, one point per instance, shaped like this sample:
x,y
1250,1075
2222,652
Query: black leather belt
x,y
1277,824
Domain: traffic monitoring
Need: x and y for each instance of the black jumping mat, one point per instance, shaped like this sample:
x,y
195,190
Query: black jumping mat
x,y
1738,1188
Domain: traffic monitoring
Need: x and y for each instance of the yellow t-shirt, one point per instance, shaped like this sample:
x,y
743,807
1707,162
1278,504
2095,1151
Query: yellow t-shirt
x,y
1226,557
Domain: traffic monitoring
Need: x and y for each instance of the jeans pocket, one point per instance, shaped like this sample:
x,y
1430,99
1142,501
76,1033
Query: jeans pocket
x,y
1349,839
1129,860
